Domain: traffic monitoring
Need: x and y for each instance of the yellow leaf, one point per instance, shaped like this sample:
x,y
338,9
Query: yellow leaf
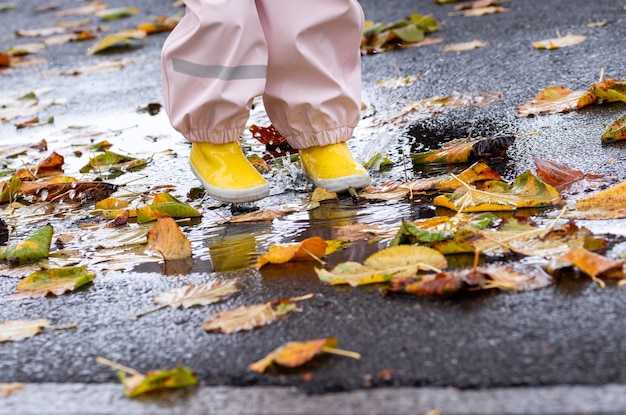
x,y
166,237
608,199
526,191
593,264
463,46
396,261
307,250
294,354
120,38
557,99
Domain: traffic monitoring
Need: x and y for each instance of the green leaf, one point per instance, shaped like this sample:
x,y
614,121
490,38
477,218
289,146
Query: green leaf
x,y
105,161
54,281
153,212
158,380
615,131
117,13
33,248
610,90
410,234
10,190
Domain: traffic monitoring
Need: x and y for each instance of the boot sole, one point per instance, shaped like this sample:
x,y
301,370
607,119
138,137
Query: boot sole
x,y
233,196
342,184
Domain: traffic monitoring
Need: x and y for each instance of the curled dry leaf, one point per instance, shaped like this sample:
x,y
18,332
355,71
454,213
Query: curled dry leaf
x,y
615,131
247,318
294,354
14,330
463,46
593,264
312,248
202,294
560,42
556,99
504,277
609,90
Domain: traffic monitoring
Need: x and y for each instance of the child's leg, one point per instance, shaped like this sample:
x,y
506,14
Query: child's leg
x,y
213,64
313,86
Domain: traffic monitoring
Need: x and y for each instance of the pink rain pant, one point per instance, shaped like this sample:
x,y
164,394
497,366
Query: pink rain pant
x,y
302,56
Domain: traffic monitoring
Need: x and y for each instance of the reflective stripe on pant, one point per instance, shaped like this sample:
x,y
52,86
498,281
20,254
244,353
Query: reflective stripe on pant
x,y
301,55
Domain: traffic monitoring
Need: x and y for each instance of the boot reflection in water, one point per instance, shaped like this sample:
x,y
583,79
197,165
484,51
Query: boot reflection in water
x,y
232,253
301,56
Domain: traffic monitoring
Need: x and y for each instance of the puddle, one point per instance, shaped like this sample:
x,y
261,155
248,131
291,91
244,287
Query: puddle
x,y
223,247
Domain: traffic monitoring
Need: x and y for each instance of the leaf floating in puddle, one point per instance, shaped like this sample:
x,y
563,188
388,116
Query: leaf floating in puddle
x,y
294,354
484,277
167,238
312,248
526,191
593,264
33,248
396,261
164,205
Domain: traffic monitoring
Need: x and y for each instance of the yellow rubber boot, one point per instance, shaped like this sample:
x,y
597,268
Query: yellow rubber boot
x,y
333,167
226,174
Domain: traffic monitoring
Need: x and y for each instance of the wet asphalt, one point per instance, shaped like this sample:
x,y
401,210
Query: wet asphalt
x,y
571,334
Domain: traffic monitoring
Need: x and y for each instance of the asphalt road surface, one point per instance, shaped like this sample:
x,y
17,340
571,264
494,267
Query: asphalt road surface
x,y
490,352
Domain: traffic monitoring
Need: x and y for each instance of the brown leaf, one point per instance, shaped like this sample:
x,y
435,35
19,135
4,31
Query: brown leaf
x,y
73,191
259,215
167,238
564,178
307,250
247,318
593,264
8,388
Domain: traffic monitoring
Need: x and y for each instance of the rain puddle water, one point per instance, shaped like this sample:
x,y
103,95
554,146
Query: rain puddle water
x,y
221,246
